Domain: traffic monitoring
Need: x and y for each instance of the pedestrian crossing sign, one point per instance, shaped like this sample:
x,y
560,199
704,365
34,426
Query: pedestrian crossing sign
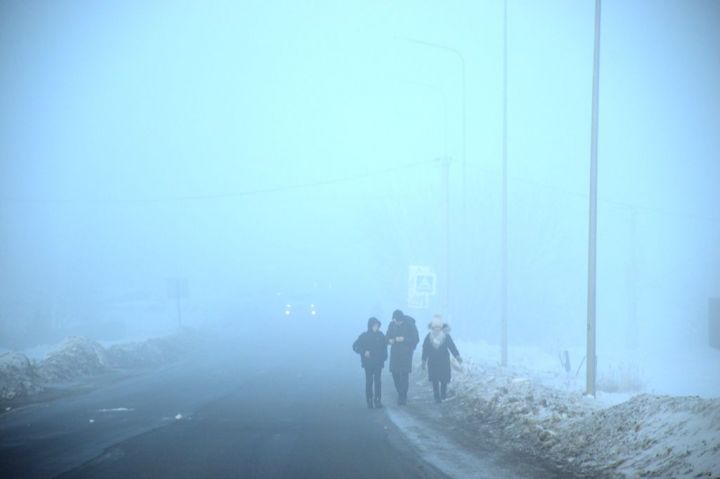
x,y
425,284
422,281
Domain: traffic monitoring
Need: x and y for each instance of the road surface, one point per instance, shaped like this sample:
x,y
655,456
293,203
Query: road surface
x,y
240,407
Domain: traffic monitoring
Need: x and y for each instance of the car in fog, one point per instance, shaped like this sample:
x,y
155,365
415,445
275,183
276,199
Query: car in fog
x,y
314,301
300,310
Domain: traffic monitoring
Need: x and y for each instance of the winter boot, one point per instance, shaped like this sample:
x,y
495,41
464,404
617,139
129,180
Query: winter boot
x,y
378,403
370,403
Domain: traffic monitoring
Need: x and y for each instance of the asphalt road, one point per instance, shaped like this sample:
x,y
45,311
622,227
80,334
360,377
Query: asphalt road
x,y
283,408
280,407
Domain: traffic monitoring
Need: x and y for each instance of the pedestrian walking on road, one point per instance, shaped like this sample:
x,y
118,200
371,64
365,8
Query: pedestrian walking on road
x,y
436,356
372,348
402,335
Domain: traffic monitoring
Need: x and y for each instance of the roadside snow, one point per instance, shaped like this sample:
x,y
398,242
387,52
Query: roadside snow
x,y
621,374
613,436
17,376
649,436
434,447
78,357
151,352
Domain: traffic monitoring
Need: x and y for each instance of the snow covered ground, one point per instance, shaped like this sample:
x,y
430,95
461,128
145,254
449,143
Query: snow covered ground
x,y
442,452
18,377
621,374
627,431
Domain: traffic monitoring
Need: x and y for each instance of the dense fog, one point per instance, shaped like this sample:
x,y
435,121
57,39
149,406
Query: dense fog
x,y
287,163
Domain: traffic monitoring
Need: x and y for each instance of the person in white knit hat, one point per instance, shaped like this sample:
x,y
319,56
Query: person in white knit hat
x,y
436,356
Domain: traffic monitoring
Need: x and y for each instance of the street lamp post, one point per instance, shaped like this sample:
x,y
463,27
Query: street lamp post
x,y
446,181
463,162
460,57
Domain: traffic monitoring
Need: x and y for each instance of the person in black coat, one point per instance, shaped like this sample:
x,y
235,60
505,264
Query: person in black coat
x,y
436,356
372,348
402,335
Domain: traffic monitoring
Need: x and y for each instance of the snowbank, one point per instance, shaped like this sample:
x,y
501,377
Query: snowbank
x,y
649,436
17,376
79,357
645,436
152,352
76,357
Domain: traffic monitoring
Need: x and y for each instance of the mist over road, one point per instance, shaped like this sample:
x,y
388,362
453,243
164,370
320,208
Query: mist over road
x,y
247,410
280,402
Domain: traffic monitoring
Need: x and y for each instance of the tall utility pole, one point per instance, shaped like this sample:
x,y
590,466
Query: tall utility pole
x,y
592,240
504,252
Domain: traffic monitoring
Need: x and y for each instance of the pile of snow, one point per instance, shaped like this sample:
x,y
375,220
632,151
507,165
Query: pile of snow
x,y
152,352
645,436
17,376
79,357
650,436
76,357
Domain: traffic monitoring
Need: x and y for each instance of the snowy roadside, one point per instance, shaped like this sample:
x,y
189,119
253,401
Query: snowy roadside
x,y
23,377
461,452
615,435
433,444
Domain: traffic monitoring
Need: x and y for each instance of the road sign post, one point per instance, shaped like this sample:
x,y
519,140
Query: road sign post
x,y
422,283
177,290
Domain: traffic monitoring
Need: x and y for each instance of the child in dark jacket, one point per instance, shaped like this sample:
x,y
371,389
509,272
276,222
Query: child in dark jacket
x,y
372,348
437,347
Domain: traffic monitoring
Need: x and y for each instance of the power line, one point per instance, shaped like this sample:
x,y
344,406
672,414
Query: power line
x,y
229,194
603,201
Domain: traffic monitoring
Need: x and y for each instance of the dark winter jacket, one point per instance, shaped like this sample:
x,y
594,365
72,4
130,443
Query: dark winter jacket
x,y
437,355
401,353
375,343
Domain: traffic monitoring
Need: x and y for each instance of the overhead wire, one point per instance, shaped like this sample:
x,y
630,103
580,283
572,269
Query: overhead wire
x,y
228,194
